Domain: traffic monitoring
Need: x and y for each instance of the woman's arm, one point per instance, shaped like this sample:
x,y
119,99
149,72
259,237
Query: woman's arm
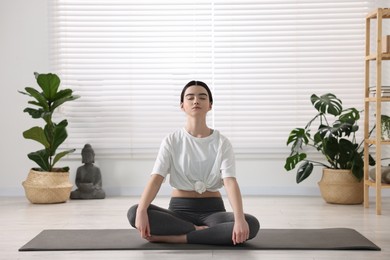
x,y
241,227
148,195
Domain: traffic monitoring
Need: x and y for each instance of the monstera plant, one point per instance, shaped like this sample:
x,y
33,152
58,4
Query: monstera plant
x,y
334,138
47,183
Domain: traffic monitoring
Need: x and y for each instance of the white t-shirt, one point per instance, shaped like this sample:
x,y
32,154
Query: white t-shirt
x,y
194,163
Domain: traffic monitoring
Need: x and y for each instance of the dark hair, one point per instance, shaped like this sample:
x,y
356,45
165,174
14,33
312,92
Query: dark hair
x,y
196,83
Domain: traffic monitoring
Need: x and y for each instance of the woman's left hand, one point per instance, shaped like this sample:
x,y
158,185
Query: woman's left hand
x,y
240,231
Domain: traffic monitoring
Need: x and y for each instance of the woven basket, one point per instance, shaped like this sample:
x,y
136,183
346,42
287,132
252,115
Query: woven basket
x,y
341,187
47,187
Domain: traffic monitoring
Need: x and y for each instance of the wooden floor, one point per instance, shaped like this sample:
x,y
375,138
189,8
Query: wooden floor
x,y
20,221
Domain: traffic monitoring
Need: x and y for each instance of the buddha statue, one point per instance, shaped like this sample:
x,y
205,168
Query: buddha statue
x,y
88,177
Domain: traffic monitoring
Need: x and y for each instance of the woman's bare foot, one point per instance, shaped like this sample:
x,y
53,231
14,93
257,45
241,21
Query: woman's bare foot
x,y
200,227
179,239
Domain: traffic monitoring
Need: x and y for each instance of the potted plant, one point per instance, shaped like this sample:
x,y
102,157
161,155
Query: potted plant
x,y
47,183
385,127
336,140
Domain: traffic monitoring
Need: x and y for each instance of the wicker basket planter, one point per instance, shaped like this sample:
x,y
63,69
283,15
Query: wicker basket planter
x,y
340,187
47,187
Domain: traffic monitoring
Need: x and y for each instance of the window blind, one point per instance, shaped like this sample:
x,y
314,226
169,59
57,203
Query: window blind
x,y
128,60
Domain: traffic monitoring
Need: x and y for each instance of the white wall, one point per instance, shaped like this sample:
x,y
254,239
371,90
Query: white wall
x,y
23,50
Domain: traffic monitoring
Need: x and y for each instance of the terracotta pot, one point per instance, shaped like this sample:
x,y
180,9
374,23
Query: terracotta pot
x,y
47,187
341,187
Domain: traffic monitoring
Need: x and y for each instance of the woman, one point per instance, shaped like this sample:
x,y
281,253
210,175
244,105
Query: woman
x,y
200,161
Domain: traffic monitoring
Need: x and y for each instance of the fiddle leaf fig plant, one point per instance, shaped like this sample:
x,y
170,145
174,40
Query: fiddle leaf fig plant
x,y
335,139
45,100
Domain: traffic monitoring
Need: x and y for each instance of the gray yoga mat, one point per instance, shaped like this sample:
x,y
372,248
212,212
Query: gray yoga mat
x,y
129,239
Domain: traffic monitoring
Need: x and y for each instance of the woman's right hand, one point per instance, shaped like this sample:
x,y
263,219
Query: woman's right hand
x,y
142,223
141,218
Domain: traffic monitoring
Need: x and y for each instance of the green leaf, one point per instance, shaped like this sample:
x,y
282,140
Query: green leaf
x,y
337,130
34,103
296,134
322,132
63,94
371,160
65,169
63,100
293,160
24,93
304,171
41,157
49,83
37,134
298,137
330,147
327,104
347,153
42,101
60,155
358,167
34,113
350,115
56,135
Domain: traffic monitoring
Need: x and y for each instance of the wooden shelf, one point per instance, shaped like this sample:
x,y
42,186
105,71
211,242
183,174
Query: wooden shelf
x,y
374,14
373,56
374,99
379,14
373,184
374,141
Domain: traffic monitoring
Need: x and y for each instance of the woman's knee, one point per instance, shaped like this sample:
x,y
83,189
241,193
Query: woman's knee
x,y
254,225
131,213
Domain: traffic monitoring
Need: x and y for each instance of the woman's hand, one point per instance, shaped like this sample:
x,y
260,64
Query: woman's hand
x,y
150,192
240,231
241,227
142,223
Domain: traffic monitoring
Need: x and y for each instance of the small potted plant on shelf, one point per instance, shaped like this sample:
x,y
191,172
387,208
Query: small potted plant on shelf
x,y
385,127
343,166
46,183
385,136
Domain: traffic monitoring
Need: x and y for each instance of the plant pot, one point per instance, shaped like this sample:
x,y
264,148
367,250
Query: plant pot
x,y
341,187
47,187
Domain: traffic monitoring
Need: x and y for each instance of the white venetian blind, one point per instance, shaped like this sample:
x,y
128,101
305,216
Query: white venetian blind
x,y
128,60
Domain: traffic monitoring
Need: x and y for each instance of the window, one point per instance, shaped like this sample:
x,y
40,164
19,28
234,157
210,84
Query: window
x,y
128,60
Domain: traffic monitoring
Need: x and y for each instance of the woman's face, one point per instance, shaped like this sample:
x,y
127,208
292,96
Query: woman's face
x,y
196,101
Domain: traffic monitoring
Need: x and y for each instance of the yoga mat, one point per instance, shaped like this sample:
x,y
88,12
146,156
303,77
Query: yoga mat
x,y
129,239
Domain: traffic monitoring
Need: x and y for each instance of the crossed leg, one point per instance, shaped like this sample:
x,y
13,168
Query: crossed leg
x,y
168,227
220,229
165,225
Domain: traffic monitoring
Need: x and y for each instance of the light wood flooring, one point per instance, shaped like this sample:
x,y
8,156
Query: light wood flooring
x,y
20,221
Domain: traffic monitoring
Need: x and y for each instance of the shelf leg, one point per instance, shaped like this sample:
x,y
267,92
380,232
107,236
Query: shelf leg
x,y
366,196
378,197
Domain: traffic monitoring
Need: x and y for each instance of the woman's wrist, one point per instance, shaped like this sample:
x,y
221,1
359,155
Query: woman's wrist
x,y
142,209
239,217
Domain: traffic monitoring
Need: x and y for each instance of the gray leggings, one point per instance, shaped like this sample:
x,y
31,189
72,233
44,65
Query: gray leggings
x,y
184,213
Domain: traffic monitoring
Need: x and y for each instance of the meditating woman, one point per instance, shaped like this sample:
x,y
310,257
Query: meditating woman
x,y
199,161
